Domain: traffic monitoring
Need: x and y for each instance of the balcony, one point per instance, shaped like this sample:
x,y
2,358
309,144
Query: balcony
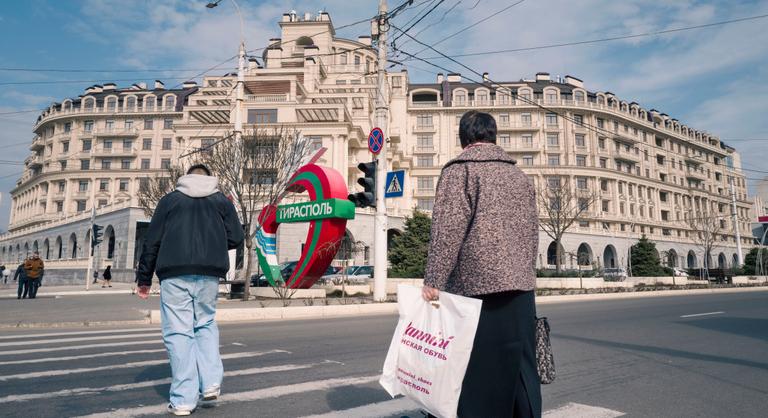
x,y
266,98
426,104
519,126
693,159
624,155
37,144
115,152
695,175
424,192
424,128
116,132
624,139
424,149
526,148
34,161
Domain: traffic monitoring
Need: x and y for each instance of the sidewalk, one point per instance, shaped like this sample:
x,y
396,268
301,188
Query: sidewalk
x,y
10,290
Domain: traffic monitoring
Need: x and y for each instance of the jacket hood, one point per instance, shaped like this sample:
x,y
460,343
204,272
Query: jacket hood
x,y
483,152
197,185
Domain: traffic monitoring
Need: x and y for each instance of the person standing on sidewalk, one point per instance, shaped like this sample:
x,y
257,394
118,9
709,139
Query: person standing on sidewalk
x,y
35,269
107,276
21,276
187,245
483,245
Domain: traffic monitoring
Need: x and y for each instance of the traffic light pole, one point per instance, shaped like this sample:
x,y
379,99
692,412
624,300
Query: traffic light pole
x,y
89,270
381,116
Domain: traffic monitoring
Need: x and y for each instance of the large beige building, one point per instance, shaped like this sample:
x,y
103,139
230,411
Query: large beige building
x,y
649,170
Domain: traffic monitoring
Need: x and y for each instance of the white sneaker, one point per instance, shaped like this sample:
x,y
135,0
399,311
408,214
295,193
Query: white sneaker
x,y
212,394
179,412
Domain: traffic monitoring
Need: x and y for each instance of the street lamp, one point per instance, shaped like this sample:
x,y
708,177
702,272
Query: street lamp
x,y
213,4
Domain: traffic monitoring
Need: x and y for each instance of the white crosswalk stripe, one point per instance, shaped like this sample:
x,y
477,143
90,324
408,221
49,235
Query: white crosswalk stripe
x,y
26,371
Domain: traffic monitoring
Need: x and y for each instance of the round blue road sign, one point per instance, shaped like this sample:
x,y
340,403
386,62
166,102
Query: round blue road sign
x,y
375,140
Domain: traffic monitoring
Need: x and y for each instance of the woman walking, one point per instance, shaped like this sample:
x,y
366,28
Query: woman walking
x,y
107,276
483,245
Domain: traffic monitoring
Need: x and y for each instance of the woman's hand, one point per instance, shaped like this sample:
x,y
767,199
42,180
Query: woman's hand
x,y
429,293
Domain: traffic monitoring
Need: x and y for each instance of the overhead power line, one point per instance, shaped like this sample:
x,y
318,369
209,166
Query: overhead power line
x,y
608,39
84,70
423,16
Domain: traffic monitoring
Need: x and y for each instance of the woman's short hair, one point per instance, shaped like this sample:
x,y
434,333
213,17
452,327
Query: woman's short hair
x,y
477,127
201,167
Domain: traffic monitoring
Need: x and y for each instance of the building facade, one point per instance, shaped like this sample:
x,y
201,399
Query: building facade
x,y
648,173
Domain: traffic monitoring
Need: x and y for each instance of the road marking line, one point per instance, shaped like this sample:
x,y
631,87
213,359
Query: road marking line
x,y
71,340
252,395
79,347
87,356
576,410
62,372
57,334
374,410
149,383
702,314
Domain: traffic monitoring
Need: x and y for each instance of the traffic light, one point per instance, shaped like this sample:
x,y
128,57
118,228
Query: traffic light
x,y
96,235
368,197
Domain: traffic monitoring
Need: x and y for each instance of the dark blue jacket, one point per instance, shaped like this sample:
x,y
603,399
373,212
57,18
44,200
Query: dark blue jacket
x,y
191,232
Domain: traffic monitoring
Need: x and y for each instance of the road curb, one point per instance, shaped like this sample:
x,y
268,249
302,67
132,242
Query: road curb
x,y
643,294
31,325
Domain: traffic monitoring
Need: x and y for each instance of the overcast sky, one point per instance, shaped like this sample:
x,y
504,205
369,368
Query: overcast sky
x,y
711,79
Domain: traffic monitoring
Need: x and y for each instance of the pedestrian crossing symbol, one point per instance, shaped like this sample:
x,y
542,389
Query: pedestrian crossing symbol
x,y
394,183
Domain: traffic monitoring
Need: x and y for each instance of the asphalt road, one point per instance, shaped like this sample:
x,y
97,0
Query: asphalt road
x,y
637,357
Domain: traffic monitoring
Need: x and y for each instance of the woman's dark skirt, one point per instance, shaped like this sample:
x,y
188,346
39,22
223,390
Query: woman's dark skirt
x,y
501,378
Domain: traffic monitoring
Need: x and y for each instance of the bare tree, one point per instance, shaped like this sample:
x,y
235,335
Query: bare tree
x,y
152,189
706,228
254,172
559,207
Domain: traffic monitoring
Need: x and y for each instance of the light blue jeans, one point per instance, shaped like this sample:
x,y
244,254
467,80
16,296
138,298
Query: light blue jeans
x,y
187,310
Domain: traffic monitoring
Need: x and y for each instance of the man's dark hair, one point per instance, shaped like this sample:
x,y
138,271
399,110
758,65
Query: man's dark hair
x,y
199,167
477,127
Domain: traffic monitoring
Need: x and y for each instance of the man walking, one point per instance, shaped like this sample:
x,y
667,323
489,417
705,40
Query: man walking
x,y
187,245
21,276
34,268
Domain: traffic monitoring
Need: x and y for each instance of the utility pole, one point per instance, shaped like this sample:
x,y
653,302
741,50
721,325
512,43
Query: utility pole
x,y
735,219
90,249
381,117
239,134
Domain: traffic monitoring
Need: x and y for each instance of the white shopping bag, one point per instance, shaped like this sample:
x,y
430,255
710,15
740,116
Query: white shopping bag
x,y
430,350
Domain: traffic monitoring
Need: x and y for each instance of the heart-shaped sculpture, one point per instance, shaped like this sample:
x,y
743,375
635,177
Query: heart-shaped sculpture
x,y
326,211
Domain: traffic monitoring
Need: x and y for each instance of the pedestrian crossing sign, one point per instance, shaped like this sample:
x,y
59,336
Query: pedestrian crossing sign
x,y
394,184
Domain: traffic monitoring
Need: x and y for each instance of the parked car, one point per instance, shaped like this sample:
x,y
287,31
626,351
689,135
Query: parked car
x,y
680,272
353,274
614,274
286,270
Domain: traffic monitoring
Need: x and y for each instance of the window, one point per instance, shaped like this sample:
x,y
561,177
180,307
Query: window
x,y
583,224
664,215
168,124
504,140
527,140
527,160
481,97
604,185
170,102
424,121
426,184
123,185
62,186
601,143
146,144
102,203
315,143
660,159
262,115
109,125
578,120
82,186
166,144
603,163
583,204
85,164
145,164
553,159
525,119
149,103
578,96
553,182
127,144
67,127
103,185
165,163
125,164
581,160
425,204
80,205
424,142
631,188
460,98
621,208
59,207
148,124
397,82
88,126
551,96
343,58
581,140
600,123
108,145
425,161
128,125
551,119
504,119
553,139
663,196
106,164
581,183
65,147
130,104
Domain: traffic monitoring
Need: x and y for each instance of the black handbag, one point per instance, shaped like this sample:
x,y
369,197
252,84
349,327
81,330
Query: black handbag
x,y
545,360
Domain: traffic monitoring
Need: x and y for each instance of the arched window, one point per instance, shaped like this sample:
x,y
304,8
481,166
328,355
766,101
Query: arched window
x,y
481,97
525,96
72,246
130,104
88,104
609,257
59,248
149,103
584,255
460,97
46,249
551,96
552,255
578,96
170,102
109,236
503,97
111,104
66,106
